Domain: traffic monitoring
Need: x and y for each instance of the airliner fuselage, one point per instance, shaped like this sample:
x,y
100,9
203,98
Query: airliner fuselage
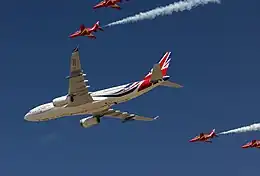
x,y
49,111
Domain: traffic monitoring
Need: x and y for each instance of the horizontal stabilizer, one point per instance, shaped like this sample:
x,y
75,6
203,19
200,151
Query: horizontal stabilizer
x,y
156,73
171,84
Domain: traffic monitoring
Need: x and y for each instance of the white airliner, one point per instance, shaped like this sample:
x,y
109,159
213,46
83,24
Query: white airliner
x,y
80,101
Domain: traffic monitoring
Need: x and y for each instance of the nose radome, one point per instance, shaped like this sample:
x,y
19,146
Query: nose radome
x,y
26,117
246,146
29,117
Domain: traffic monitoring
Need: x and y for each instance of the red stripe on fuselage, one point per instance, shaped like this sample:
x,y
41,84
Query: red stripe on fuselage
x,y
145,84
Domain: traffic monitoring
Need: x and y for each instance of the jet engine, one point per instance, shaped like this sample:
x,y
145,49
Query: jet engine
x,y
89,121
61,101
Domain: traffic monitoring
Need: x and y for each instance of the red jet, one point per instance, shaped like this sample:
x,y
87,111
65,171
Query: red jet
x,y
83,31
252,144
109,3
204,137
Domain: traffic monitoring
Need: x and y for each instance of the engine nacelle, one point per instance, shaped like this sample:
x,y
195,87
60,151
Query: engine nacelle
x,y
61,101
89,121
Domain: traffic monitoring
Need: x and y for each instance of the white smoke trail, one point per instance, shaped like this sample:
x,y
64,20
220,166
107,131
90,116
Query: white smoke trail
x,y
162,11
254,127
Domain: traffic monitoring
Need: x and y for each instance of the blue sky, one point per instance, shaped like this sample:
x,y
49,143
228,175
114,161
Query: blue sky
x,y
215,55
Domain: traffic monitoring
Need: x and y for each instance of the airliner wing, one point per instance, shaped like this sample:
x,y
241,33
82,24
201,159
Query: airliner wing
x,y
125,116
77,85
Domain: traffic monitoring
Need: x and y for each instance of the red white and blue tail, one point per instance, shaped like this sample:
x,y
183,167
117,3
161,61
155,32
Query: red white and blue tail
x,y
164,65
159,72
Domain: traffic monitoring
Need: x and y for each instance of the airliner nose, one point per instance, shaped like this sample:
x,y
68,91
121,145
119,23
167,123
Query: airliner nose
x,y
28,117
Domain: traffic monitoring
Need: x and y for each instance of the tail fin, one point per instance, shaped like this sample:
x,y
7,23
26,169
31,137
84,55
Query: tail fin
x,y
159,72
97,26
213,134
82,27
162,66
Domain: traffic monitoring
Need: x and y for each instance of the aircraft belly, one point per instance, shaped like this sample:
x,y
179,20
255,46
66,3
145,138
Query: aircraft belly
x,y
58,112
88,108
48,115
72,111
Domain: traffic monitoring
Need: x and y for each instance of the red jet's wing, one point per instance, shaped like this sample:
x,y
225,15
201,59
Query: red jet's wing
x,y
101,4
195,139
115,6
91,36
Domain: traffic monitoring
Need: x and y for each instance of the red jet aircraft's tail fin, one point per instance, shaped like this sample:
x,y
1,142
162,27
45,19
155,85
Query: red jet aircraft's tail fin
x,y
213,133
82,27
97,26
